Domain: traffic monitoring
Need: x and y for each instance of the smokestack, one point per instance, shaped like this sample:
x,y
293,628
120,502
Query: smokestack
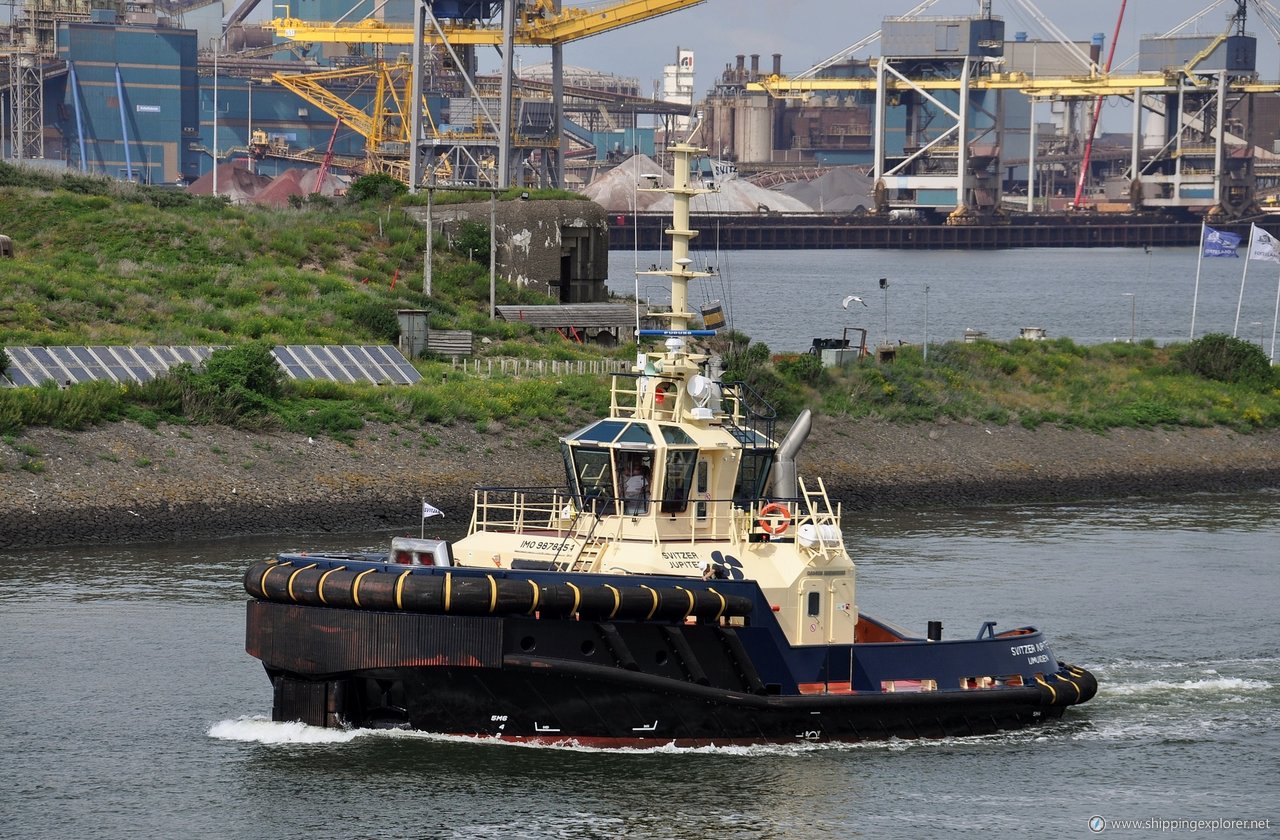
x,y
777,64
755,65
742,62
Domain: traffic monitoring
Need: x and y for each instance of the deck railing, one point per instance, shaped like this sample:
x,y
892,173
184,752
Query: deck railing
x,y
555,513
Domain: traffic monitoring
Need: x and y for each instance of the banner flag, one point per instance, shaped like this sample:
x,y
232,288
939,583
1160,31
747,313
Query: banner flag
x,y
429,510
1262,245
1220,243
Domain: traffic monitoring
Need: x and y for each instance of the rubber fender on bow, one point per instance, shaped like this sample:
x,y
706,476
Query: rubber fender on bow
x,y
1069,686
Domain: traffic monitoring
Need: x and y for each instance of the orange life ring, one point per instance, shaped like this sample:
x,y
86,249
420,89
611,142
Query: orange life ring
x,y
767,524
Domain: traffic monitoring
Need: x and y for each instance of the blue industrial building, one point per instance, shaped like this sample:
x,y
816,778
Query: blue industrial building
x,y
127,105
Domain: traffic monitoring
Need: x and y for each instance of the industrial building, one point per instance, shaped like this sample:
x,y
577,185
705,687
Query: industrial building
x,y
955,116
952,116
157,93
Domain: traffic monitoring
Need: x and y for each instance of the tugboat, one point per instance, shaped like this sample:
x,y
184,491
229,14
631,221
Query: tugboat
x,y
686,586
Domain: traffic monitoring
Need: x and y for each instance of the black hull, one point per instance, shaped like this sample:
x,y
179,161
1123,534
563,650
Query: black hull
x,y
593,683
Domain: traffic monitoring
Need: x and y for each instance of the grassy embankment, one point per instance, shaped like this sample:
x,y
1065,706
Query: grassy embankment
x,y
104,263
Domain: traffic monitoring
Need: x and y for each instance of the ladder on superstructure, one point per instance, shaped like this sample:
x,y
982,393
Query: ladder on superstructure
x,y
817,505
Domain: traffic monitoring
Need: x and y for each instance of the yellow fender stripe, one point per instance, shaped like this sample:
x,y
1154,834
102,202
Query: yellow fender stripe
x,y
724,605
1053,695
323,577
617,600
355,585
692,601
262,581
654,594
448,589
577,597
293,597
400,588
1072,683
537,594
493,594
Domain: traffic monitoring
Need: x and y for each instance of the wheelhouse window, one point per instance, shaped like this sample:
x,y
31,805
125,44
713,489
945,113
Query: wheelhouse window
x,y
591,476
678,479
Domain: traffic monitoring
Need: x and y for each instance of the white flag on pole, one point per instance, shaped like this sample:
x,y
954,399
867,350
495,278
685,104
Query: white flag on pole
x,y
1262,245
429,510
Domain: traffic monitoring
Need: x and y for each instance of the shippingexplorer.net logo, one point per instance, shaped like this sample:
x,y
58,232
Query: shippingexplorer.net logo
x,y
1099,824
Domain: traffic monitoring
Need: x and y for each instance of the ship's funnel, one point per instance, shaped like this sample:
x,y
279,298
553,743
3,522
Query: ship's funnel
x,y
784,463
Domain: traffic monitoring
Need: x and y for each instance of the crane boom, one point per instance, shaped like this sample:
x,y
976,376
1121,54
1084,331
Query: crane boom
x,y
328,159
570,24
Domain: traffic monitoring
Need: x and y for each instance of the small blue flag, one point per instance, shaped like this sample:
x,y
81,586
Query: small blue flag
x,y
1219,243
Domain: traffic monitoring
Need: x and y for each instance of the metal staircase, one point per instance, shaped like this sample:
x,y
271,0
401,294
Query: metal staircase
x,y
589,557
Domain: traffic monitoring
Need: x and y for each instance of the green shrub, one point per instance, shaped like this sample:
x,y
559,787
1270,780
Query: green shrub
x,y
376,317
237,387
378,186
806,368
250,366
472,242
1223,358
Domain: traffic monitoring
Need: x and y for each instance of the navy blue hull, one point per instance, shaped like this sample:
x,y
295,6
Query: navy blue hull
x,y
620,683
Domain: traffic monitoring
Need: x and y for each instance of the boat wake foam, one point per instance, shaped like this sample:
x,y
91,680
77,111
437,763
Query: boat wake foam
x,y
258,729
1217,684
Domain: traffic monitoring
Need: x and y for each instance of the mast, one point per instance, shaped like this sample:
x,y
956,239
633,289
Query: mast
x,y
681,192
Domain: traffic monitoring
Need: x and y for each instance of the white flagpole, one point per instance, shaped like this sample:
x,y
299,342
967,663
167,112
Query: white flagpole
x,y
1196,295
1248,258
1274,323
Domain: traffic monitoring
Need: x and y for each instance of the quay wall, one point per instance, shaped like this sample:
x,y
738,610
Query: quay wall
x,y
750,231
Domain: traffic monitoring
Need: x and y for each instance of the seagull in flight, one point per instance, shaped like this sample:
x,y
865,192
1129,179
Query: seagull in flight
x,y
846,301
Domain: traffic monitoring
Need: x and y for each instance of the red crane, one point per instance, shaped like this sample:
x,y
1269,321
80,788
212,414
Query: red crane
x,y
328,157
1097,112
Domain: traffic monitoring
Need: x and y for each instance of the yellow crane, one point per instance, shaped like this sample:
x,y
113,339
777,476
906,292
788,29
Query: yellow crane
x,y
537,26
386,126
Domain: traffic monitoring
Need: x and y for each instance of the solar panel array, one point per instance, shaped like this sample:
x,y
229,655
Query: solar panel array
x,y
347,363
380,364
70,365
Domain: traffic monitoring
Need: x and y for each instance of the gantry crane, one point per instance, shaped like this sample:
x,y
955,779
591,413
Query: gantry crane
x,y
477,149
1193,166
536,25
